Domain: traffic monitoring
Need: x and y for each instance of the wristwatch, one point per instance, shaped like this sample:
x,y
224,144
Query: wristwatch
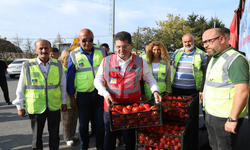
x,y
229,119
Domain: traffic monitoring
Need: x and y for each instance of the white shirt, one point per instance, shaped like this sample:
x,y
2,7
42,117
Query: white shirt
x,y
155,69
19,101
147,76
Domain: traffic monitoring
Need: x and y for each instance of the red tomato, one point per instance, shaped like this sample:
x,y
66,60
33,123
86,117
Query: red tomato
x,y
135,109
141,107
135,104
129,107
119,107
146,106
125,110
179,98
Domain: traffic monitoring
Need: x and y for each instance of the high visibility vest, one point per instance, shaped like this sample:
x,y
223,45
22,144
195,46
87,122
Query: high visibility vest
x,y
41,93
85,72
124,89
161,79
218,90
196,67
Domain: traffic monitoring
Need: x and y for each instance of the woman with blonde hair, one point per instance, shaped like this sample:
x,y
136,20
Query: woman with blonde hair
x,y
158,63
69,117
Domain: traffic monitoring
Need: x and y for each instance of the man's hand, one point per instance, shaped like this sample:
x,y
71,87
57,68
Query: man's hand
x,y
109,100
64,107
73,102
157,97
231,127
22,113
201,96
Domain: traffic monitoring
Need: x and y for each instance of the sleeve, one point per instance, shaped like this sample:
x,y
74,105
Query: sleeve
x,y
204,62
239,74
20,98
148,77
63,88
70,77
98,81
168,81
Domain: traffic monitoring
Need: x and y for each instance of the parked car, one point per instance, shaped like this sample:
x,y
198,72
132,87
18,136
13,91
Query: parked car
x,y
15,67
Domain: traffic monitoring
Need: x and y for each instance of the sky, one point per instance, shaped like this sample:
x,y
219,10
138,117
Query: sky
x,y
35,19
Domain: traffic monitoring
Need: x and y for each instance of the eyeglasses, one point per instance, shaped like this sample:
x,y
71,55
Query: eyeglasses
x,y
85,40
209,41
124,47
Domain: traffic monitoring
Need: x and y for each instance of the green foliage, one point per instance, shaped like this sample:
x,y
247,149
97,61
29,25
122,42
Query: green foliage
x,y
142,36
171,30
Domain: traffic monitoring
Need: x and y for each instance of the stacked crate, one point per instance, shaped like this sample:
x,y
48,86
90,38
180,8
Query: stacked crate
x,y
179,130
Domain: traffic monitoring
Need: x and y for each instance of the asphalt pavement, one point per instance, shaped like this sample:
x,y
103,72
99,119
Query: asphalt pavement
x,y
15,132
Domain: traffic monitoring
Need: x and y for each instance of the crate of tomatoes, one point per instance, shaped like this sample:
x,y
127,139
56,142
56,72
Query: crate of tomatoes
x,y
135,115
179,108
172,135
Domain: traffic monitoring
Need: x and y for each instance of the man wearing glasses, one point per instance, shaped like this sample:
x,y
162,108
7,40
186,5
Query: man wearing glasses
x,y
82,67
123,72
225,91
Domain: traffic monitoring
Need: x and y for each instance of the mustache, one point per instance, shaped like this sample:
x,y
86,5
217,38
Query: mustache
x,y
45,53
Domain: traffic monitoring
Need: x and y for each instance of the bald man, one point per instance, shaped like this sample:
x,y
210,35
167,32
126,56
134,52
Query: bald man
x,y
225,91
82,67
41,91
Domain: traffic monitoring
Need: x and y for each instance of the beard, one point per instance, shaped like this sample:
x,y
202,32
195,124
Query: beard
x,y
190,48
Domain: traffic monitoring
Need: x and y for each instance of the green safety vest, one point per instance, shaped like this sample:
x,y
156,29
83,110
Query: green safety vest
x,y
197,60
85,73
41,93
219,90
161,79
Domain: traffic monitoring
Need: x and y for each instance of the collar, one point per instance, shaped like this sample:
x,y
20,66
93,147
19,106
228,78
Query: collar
x,y
216,56
191,52
40,62
84,52
121,60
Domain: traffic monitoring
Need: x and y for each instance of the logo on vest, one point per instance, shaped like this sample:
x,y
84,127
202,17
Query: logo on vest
x,y
81,64
163,74
34,81
113,80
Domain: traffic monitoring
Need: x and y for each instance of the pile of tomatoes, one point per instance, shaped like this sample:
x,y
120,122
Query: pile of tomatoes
x,y
176,107
161,137
134,115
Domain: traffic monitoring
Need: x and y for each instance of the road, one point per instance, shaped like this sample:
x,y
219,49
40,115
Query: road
x,y
15,132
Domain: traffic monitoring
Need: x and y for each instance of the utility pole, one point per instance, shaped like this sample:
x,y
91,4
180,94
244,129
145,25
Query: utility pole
x,y
112,23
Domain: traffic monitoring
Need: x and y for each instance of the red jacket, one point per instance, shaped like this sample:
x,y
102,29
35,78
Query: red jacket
x,y
124,89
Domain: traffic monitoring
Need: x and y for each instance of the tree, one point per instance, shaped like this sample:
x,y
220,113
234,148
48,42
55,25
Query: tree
x,y
28,48
170,32
198,24
58,39
17,41
142,36
215,22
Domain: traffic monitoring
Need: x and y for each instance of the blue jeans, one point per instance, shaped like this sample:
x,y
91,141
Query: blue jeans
x,y
110,137
87,103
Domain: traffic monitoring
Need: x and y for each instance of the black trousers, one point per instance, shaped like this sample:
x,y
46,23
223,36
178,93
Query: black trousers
x,y
37,125
90,104
219,139
5,90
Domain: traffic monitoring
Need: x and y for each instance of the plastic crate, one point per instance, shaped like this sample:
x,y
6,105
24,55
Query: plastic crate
x,y
148,139
182,108
151,117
